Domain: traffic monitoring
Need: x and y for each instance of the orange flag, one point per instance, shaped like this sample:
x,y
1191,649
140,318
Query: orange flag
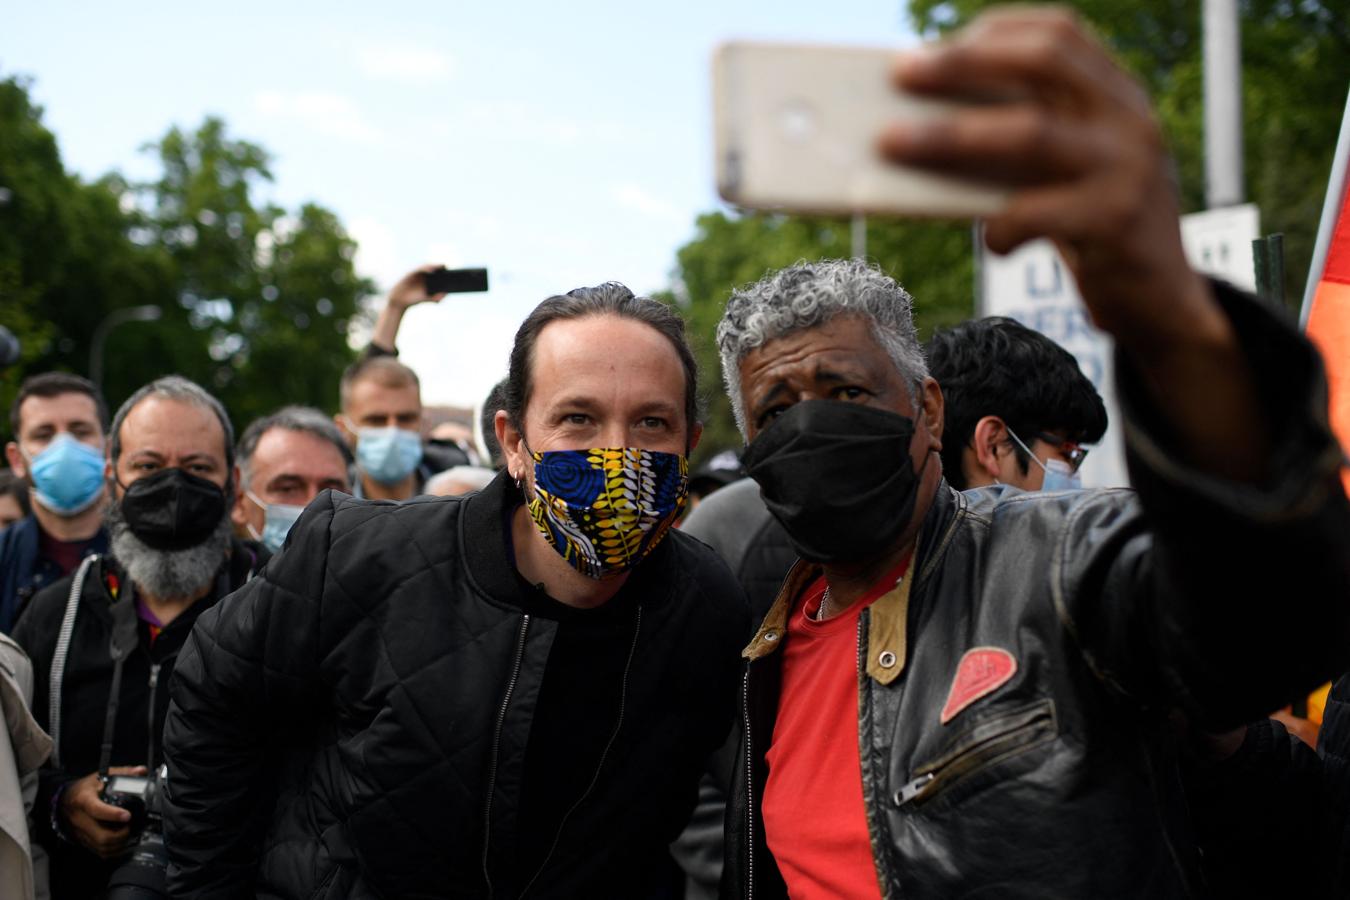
x,y
1327,303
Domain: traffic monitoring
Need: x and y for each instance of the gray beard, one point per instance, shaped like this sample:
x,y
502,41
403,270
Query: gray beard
x,y
167,574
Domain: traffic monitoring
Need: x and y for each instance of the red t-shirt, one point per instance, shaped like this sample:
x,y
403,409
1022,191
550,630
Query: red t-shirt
x,y
814,817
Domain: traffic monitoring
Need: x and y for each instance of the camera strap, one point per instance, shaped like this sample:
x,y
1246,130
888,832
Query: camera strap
x,y
63,638
124,639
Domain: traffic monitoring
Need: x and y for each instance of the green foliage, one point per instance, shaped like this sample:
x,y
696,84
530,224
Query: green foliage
x,y
933,260
1294,93
245,290
1295,83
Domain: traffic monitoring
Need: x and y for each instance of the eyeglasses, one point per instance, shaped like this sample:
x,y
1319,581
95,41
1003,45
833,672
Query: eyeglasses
x,y
1073,452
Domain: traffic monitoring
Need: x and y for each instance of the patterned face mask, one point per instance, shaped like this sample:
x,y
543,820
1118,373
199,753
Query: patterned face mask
x,y
606,508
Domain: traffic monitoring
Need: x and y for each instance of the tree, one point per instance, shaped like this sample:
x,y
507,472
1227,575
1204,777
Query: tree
x,y
257,289
246,291
65,259
1294,93
932,259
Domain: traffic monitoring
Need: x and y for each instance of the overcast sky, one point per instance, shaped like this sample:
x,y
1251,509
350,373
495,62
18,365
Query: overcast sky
x,y
556,144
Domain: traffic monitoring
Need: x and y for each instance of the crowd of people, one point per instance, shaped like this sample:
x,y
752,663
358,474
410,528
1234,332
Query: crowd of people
x,y
896,650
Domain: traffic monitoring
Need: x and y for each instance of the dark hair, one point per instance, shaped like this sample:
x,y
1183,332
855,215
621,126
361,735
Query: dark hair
x,y
15,487
383,369
291,418
610,298
998,367
54,384
173,387
487,420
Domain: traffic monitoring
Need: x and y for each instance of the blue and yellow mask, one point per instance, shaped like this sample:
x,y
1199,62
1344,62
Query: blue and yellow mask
x,y
604,509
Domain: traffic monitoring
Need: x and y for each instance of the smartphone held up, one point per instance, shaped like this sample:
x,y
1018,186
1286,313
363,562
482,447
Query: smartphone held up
x,y
455,281
796,129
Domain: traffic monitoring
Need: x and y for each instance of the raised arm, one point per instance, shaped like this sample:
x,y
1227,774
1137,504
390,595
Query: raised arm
x,y
1090,171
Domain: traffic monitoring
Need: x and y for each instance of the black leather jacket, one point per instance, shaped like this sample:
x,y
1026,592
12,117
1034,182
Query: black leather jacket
x,y
1117,608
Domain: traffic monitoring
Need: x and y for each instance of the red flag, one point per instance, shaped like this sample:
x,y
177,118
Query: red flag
x,y
1328,317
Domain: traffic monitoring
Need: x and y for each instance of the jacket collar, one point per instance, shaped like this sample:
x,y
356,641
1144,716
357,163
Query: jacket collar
x,y
888,622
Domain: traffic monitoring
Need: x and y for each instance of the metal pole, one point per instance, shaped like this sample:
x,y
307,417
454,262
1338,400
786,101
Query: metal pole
x,y
1331,209
1223,104
859,235
111,321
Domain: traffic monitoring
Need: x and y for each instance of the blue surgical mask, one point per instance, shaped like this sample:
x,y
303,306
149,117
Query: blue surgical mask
x,y
388,455
277,521
1059,475
67,475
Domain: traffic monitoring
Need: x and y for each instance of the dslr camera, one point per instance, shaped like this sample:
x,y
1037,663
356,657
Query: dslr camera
x,y
142,874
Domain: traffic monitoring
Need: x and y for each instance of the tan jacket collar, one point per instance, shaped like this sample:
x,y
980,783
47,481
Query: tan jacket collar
x,y
886,633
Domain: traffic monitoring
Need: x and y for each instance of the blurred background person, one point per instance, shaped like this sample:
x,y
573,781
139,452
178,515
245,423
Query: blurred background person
x,y
58,422
381,419
24,747
459,480
285,460
449,444
14,503
713,475
1017,407
171,468
487,417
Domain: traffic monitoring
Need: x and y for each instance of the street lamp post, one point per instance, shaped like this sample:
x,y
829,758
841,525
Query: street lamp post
x,y
111,321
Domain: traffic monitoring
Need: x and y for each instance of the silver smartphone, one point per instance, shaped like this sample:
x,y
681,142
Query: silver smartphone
x,y
796,130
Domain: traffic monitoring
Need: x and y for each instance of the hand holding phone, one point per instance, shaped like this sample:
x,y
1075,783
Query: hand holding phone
x,y
455,281
797,130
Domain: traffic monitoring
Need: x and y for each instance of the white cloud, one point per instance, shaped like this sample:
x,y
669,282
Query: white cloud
x,y
327,113
446,254
640,200
516,122
404,62
377,253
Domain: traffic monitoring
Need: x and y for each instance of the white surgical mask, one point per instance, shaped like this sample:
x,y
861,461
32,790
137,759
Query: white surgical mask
x,y
1059,475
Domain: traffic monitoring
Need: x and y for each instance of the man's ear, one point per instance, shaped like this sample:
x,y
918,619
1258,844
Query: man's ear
x,y
695,433
511,442
933,411
15,459
990,433
340,421
238,514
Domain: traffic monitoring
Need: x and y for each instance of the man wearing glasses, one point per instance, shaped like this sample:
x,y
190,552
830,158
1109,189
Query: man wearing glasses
x,y
1018,410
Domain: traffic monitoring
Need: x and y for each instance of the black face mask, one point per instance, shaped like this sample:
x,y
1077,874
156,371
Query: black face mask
x,y
173,510
838,477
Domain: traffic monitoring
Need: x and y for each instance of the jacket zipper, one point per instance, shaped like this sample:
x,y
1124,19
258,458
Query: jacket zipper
x,y
604,755
154,684
932,777
749,789
497,744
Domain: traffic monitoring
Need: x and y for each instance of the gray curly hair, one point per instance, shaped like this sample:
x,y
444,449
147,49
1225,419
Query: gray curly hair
x,y
806,295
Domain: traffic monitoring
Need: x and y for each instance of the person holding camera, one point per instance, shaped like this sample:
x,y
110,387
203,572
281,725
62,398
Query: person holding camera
x,y
104,640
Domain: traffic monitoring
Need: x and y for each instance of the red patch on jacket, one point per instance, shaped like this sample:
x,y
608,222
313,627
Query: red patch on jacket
x,y
981,671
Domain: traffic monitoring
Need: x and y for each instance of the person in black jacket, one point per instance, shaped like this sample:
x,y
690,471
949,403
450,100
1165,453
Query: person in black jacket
x,y
505,694
963,694
171,476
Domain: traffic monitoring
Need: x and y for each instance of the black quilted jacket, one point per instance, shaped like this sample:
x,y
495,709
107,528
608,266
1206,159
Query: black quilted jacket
x,y
353,723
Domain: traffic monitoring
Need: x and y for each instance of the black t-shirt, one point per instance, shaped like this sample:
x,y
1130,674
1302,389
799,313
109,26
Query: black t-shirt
x,y
577,712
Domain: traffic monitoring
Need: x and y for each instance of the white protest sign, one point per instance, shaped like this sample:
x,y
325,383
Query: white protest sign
x,y
1218,242
1033,286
